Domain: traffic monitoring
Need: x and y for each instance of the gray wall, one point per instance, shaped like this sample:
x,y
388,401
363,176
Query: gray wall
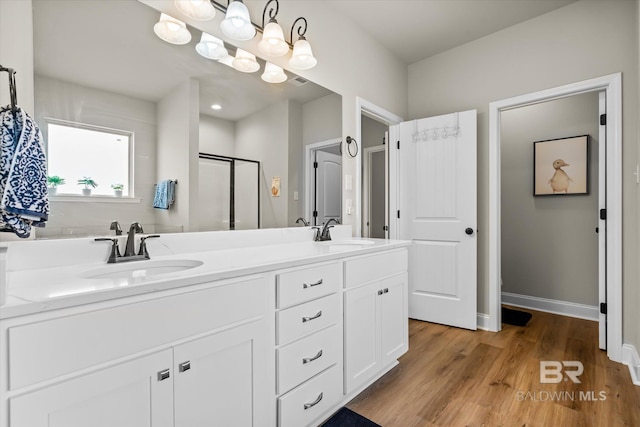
x,y
583,40
549,244
372,132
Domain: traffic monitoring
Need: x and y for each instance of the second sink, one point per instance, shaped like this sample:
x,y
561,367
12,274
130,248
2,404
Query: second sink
x,y
141,269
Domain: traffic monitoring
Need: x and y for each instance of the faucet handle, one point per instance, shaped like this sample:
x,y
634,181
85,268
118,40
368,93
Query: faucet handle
x,y
115,225
115,249
143,245
316,236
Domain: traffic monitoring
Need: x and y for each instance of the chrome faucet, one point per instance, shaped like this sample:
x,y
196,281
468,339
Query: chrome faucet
x,y
304,221
324,235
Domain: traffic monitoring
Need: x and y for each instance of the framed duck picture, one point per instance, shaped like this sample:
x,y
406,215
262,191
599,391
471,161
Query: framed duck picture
x,y
561,166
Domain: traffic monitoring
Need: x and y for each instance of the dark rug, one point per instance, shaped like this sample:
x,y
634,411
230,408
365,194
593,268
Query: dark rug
x,y
515,317
345,417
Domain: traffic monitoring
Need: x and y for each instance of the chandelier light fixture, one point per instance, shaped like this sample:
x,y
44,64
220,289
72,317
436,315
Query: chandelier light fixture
x,y
237,23
273,73
211,47
272,43
172,30
200,10
245,62
302,57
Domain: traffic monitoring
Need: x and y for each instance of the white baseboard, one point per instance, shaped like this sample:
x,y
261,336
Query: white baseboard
x,y
571,309
631,358
483,321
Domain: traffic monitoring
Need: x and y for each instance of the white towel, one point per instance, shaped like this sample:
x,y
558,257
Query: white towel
x,y
23,174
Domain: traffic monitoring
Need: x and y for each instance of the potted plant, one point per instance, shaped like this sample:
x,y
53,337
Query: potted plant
x,y
87,182
52,184
117,189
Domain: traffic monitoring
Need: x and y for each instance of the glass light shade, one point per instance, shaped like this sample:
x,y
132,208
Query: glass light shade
x,y
302,57
227,60
172,30
211,47
200,10
245,62
273,74
272,43
237,23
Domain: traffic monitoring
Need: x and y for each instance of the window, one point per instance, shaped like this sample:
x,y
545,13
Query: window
x,y
76,151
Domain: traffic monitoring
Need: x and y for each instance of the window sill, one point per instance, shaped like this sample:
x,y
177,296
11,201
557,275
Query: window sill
x,y
93,199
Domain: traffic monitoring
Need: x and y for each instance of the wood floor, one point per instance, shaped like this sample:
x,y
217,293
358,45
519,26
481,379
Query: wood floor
x,y
453,377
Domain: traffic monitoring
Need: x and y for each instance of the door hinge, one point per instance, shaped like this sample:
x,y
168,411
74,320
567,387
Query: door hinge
x,y
398,145
315,214
603,307
603,119
603,214
315,165
398,214
384,140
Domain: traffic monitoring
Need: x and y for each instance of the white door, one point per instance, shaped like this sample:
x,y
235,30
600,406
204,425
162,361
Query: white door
x,y
438,212
328,194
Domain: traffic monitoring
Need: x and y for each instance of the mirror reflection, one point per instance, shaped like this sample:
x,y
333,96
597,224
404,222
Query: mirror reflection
x,y
99,66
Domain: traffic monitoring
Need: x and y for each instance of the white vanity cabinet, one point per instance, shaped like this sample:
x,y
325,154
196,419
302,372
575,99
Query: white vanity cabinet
x,y
308,343
375,315
194,357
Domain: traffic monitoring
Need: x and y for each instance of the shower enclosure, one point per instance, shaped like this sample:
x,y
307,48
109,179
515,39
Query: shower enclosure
x,y
229,193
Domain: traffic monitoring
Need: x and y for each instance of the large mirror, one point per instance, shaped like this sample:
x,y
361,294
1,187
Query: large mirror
x,y
99,66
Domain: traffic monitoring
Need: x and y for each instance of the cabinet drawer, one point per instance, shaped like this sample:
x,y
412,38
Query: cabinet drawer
x,y
46,349
297,286
303,359
374,267
304,319
309,401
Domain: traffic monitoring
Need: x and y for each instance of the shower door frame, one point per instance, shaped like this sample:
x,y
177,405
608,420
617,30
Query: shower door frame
x,y
232,164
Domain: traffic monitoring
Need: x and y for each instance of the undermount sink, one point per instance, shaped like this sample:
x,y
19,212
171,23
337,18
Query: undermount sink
x,y
141,269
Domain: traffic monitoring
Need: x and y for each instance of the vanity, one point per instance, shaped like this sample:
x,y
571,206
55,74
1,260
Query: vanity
x,y
218,328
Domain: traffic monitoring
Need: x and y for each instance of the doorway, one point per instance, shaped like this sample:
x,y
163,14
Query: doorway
x,y
550,237
375,178
323,177
612,104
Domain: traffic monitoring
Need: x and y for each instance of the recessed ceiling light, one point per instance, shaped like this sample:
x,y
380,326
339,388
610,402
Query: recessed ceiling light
x,y
216,106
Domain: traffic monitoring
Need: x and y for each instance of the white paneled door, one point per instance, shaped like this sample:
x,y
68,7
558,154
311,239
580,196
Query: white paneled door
x,y
438,212
328,194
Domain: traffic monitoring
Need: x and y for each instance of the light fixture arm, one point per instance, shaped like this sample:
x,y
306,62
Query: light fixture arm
x,y
273,12
302,30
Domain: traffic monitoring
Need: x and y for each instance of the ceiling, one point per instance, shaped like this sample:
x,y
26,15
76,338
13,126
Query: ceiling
x,y
418,29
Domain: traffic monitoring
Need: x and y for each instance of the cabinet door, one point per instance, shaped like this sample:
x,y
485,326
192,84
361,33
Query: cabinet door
x,y
362,343
394,330
221,378
131,394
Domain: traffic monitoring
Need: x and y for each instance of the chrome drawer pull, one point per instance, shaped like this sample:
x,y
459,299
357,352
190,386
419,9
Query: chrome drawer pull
x,y
306,319
184,366
314,403
311,359
163,375
305,285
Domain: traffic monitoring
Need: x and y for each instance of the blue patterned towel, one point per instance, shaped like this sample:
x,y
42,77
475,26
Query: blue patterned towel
x,y
165,194
23,174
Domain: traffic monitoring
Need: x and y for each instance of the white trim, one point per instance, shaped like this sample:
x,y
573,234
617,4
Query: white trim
x,y
631,358
483,321
98,198
309,157
564,308
612,84
379,114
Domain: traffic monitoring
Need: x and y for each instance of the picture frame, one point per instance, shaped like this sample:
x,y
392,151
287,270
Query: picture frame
x,y
561,166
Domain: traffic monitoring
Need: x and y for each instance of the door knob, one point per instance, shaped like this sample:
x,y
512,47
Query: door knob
x,y
468,231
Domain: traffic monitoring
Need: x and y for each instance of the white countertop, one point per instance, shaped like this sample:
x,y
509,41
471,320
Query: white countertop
x,y
43,289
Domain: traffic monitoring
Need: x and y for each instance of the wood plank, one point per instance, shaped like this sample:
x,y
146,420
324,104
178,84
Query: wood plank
x,y
455,377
